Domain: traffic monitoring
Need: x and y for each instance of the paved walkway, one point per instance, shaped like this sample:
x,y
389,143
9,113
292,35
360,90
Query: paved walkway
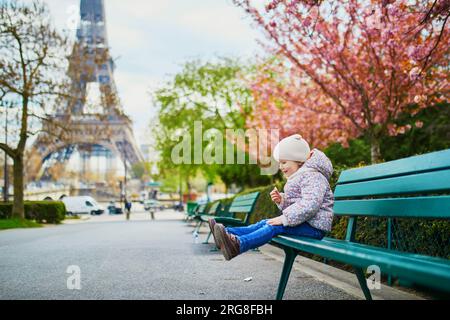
x,y
139,259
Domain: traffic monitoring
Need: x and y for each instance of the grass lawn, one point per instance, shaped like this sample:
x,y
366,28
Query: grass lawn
x,y
18,223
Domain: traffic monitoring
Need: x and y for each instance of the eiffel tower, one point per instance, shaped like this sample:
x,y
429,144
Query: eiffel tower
x,y
97,127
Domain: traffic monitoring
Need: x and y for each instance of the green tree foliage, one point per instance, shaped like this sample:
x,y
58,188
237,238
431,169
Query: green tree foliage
x,y
138,169
215,94
429,131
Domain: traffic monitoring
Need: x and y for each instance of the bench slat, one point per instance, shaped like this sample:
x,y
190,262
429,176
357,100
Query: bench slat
x,y
427,162
417,207
240,208
401,256
201,209
250,196
238,200
417,183
214,208
242,203
229,221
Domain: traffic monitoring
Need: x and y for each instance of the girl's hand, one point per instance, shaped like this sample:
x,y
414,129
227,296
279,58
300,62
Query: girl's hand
x,y
275,221
276,196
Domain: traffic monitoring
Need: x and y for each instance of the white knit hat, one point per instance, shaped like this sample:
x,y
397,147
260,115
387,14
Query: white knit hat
x,y
293,148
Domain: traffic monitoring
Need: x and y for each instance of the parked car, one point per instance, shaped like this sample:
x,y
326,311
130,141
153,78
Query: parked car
x,y
112,209
82,205
152,204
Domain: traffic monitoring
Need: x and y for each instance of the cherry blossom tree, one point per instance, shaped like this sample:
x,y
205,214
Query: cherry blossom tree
x,y
289,103
353,66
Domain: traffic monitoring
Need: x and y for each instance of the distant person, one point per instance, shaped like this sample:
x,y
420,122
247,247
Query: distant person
x,y
128,206
306,204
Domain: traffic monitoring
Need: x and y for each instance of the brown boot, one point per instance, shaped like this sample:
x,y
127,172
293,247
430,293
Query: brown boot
x,y
212,223
229,244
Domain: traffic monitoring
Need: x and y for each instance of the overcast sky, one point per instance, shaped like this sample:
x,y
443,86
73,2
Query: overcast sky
x,y
151,39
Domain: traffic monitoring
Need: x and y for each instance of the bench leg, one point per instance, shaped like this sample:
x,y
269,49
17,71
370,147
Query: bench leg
x,y
363,282
207,238
197,227
287,267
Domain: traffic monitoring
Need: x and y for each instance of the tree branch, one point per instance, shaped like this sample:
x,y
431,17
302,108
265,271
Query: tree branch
x,y
9,151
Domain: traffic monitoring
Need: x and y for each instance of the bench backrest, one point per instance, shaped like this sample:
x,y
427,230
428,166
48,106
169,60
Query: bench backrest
x,y
403,188
215,208
224,212
201,209
193,211
244,204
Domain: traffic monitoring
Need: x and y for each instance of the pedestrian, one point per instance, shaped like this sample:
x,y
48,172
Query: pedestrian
x,y
306,204
128,207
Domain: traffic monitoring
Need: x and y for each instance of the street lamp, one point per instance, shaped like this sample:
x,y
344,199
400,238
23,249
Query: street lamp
x,y
5,174
125,181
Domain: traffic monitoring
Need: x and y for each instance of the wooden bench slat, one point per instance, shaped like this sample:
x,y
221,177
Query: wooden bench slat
x,y
428,182
427,162
417,207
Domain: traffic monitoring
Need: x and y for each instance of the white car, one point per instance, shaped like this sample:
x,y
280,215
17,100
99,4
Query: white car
x,y
82,205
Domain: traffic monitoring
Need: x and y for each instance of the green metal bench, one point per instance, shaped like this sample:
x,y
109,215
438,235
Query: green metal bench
x,y
244,204
191,210
415,187
201,209
204,215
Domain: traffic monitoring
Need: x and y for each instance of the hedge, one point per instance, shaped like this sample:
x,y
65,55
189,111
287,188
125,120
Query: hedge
x,y
423,236
40,211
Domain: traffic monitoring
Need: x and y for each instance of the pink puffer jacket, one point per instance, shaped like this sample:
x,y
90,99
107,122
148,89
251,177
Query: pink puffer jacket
x,y
307,194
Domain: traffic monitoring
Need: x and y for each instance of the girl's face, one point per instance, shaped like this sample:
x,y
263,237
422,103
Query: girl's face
x,y
288,167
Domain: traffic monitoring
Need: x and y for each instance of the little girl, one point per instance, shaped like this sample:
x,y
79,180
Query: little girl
x,y
306,204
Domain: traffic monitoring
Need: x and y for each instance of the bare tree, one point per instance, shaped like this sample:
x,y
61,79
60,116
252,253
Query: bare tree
x,y
33,81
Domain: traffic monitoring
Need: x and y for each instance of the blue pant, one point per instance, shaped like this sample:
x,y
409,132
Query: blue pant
x,y
260,233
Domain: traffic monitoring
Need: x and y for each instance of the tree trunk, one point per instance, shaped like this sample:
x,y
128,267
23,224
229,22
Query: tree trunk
x,y
18,206
375,153
189,189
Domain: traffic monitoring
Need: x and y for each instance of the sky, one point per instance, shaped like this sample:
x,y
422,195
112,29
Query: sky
x,y
150,40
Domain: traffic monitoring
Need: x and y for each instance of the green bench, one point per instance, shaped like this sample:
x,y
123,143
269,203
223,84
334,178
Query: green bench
x,y
203,215
190,213
244,204
412,187
190,210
